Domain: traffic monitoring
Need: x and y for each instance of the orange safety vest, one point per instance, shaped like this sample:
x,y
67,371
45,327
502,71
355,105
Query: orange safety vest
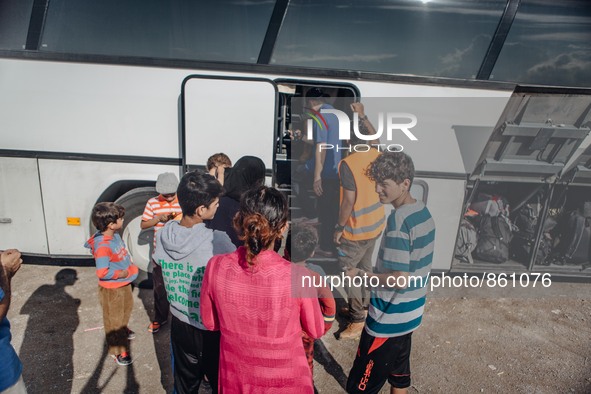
x,y
368,217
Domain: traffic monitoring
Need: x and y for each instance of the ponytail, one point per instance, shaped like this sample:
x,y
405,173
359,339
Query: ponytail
x,y
262,216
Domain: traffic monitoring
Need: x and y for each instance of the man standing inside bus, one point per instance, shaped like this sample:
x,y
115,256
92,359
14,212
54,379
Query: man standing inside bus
x,y
11,379
326,177
402,272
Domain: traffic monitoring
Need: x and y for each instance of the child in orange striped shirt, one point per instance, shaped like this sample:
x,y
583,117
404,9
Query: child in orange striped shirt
x,y
159,210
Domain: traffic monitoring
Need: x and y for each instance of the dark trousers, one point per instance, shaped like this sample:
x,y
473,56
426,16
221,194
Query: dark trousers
x,y
328,212
195,352
161,305
117,305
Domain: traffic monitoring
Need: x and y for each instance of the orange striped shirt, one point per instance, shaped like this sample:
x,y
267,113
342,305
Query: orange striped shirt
x,y
157,206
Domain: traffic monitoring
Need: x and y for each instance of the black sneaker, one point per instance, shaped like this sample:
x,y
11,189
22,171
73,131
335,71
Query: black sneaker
x,y
130,334
123,359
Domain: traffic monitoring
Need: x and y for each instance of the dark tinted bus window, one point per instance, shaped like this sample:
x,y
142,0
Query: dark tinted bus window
x,y
14,23
221,30
548,44
447,39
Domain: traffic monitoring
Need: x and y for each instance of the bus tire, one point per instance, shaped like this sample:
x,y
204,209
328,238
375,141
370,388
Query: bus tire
x,y
140,243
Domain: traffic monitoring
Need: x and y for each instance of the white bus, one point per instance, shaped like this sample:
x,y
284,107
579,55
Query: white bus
x,y
98,98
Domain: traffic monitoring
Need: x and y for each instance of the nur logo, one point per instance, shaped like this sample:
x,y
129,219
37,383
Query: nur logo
x,y
318,118
391,120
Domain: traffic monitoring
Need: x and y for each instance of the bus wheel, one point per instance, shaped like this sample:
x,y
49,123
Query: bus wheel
x,y
140,243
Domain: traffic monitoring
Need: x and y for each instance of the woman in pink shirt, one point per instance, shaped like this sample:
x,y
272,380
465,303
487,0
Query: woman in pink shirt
x,y
252,296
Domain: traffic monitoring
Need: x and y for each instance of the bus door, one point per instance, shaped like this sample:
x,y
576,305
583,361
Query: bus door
x,y
233,115
537,135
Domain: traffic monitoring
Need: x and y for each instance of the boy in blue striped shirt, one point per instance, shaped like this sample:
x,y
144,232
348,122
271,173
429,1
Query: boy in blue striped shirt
x,y
402,273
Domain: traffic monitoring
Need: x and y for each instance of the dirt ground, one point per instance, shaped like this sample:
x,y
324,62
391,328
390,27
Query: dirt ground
x,y
471,340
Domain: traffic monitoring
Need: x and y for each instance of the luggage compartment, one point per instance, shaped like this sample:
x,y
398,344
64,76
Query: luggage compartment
x,y
528,202
550,229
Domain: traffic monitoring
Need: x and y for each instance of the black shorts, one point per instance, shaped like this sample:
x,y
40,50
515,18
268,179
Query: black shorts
x,y
378,360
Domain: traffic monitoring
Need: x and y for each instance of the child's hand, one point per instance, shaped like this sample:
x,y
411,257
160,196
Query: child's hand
x,y
123,274
164,218
172,216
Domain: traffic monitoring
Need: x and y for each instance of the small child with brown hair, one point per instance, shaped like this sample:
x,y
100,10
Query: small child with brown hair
x,y
115,272
301,243
217,164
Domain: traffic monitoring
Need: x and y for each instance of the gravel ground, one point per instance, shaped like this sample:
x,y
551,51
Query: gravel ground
x,y
471,340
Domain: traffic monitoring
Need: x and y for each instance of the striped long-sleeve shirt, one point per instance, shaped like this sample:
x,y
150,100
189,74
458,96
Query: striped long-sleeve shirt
x,y
157,206
111,258
407,246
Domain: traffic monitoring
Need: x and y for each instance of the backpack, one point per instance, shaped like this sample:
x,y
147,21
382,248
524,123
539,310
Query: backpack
x,y
494,236
521,250
466,242
489,205
526,220
574,240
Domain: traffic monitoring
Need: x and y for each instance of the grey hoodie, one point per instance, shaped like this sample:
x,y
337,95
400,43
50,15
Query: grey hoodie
x,y
183,254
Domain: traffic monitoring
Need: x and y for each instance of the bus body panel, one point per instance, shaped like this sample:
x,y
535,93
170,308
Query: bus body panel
x,y
89,108
71,188
437,149
445,202
22,224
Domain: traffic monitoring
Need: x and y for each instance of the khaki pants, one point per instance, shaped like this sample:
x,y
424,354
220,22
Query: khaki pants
x,y
117,305
357,254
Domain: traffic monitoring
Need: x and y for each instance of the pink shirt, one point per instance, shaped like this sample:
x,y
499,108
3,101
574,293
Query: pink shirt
x,y
261,313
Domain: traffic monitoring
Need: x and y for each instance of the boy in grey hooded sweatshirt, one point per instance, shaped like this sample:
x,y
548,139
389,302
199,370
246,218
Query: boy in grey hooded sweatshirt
x,y
183,250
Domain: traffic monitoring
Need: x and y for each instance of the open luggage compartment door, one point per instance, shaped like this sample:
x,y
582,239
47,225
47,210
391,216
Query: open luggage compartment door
x,y
233,115
578,170
537,135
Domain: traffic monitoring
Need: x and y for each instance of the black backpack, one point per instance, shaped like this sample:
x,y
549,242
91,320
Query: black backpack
x,y
494,236
521,249
526,220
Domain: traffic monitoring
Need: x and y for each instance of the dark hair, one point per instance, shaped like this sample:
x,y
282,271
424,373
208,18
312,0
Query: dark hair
x,y
218,159
262,215
197,188
248,173
303,241
317,95
396,166
105,213
315,92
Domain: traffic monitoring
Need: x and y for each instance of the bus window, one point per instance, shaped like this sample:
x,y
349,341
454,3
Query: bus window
x,y
223,30
548,44
14,21
398,36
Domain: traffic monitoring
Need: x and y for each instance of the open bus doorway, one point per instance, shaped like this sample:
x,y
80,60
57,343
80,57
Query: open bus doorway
x,y
295,149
